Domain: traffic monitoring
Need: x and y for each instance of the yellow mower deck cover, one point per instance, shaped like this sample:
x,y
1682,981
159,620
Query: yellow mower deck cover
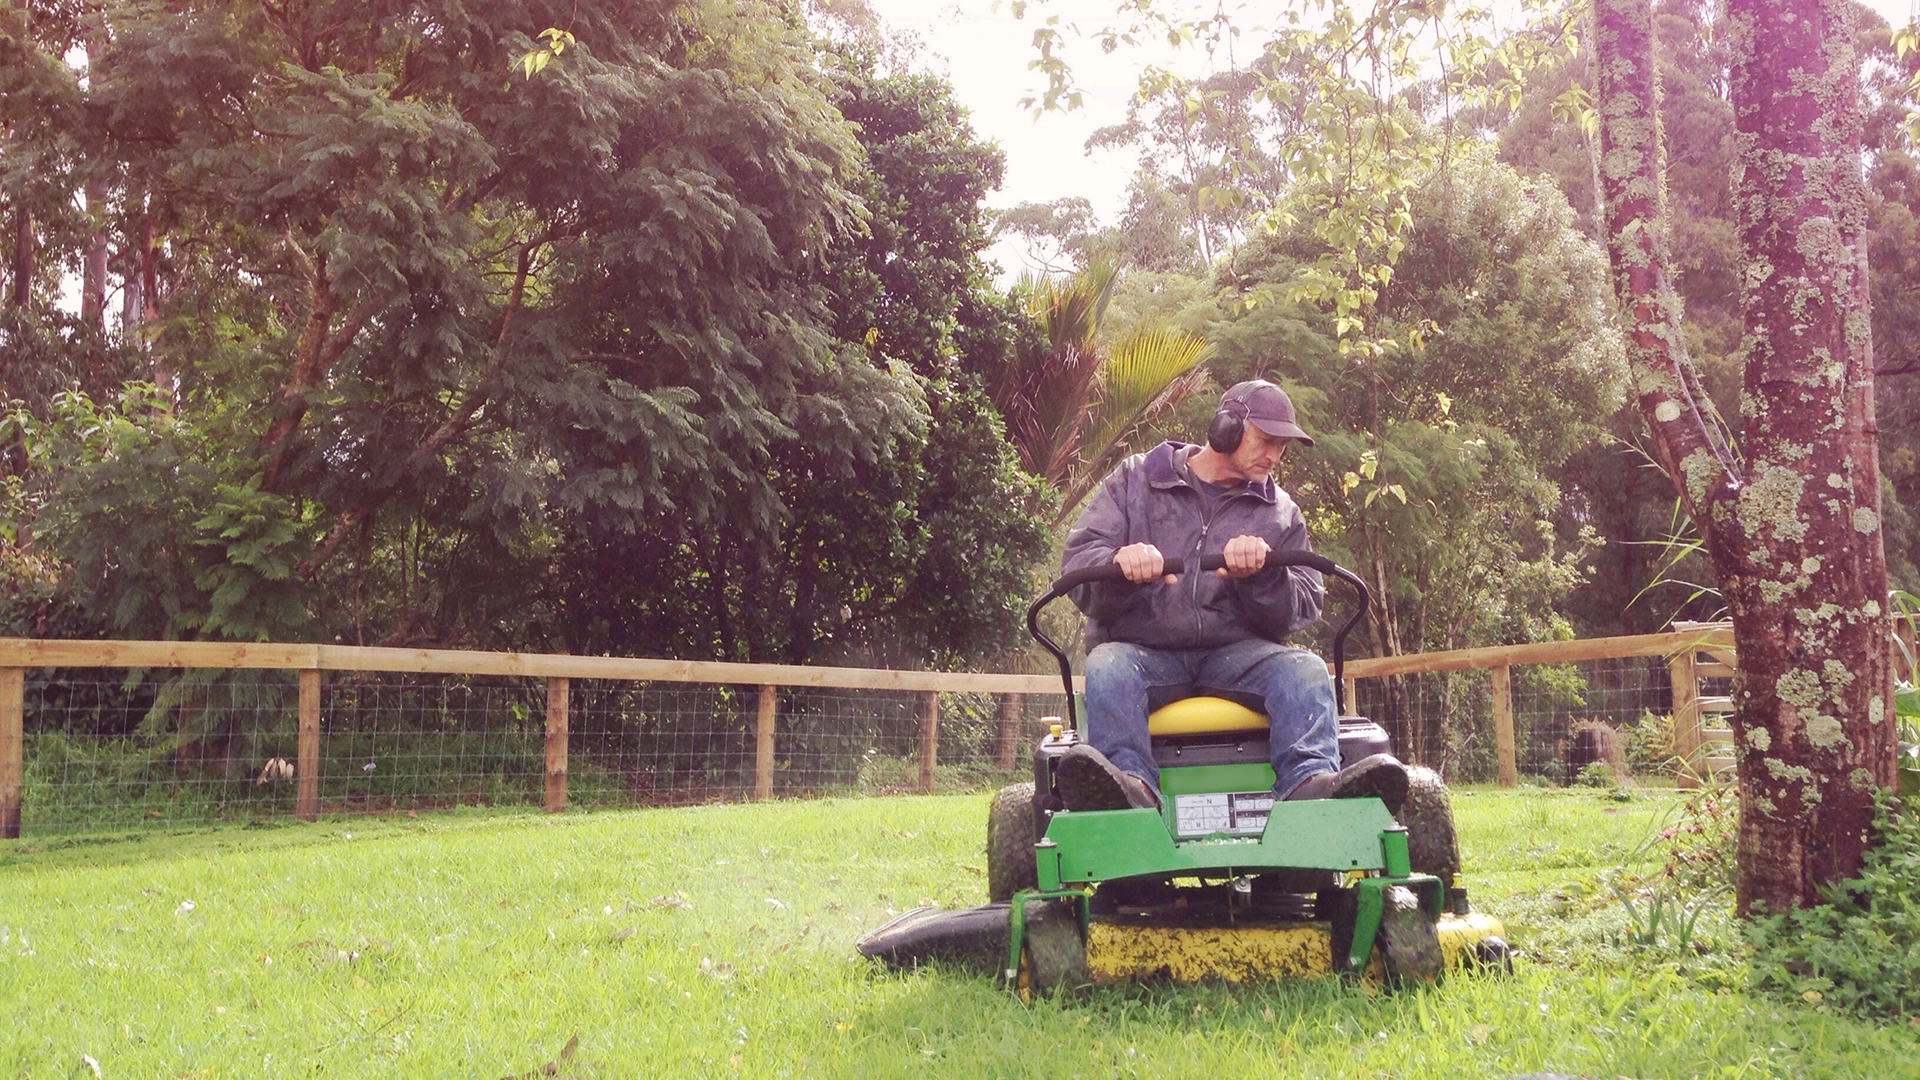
x,y
1189,954
1204,716
1250,953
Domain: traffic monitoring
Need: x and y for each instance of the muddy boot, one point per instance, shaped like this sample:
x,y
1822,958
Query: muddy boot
x,y
1380,776
1086,780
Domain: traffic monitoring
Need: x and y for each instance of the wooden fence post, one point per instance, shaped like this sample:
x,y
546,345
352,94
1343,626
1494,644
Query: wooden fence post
x,y
1682,672
1007,732
763,743
1502,678
13,748
556,744
306,798
929,737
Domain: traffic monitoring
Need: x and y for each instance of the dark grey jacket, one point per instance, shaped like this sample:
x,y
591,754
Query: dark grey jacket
x,y
1152,498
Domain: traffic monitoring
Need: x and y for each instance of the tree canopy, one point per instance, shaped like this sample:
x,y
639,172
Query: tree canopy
x,y
424,342
1433,468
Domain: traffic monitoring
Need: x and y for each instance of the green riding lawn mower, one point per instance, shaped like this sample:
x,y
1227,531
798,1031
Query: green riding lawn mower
x,y
1222,881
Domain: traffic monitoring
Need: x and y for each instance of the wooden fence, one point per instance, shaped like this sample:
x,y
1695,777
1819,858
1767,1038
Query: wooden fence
x,y
1683,648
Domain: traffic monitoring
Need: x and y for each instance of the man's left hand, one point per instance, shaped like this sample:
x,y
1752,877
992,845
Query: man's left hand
x,y
1245,555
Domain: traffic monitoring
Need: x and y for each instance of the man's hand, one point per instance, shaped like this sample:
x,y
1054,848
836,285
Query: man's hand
x,y
1142,563
1245,555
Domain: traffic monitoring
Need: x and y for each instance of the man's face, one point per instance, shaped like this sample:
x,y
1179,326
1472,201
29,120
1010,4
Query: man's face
x,y
1253,460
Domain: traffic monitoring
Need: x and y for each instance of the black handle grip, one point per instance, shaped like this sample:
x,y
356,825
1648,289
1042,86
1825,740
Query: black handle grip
x,y
1308,559
1073,579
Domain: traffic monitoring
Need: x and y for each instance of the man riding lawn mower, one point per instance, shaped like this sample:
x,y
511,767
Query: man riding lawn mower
x,y
1213,813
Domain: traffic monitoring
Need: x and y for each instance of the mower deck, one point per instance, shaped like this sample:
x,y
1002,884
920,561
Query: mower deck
x,y
1120,950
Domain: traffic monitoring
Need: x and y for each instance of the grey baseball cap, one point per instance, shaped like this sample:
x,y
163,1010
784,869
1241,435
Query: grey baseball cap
x,y
1266,407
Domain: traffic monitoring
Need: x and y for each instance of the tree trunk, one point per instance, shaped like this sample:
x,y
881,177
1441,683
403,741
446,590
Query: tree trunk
x,y
1793,532
93,262
1814,693
22,257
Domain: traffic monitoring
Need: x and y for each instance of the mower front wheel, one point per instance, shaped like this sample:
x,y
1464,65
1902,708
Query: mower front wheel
x,y
1409,942
1432,846
1010,836
1053,957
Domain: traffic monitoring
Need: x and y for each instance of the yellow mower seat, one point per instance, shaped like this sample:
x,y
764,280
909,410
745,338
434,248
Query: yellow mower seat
x,y
1204,716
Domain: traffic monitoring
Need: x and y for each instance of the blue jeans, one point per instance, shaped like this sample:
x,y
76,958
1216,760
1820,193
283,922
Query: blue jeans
x,y
1294,683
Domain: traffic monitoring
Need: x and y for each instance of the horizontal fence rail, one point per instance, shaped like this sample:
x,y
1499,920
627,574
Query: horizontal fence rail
x,y
267,729
34,652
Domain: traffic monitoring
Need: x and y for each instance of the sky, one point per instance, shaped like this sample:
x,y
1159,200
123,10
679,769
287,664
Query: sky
x,y
984,50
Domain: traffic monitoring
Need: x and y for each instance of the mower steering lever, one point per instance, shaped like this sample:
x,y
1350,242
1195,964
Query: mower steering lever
x,y
1087,575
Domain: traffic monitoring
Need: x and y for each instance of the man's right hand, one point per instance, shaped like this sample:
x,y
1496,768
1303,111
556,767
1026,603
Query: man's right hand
x,y
1142,563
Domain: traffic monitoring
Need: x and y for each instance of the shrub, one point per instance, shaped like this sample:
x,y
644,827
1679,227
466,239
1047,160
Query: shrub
x,y
1650,747
1860,951
1597,774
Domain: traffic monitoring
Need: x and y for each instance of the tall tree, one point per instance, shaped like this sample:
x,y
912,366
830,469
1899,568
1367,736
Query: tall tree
x,y
914,555
438,320
1792,526
1433,467
1639,584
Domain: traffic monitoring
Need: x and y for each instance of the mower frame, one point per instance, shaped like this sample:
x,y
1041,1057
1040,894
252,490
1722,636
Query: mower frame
x,y
1356,838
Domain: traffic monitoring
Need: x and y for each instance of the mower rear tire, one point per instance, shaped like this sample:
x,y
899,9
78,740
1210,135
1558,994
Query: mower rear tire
x,y
1053,959
1409,941
1010,838
1432,846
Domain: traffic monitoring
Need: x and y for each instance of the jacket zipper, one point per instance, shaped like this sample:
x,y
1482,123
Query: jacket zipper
x,y
1206,525
1193,600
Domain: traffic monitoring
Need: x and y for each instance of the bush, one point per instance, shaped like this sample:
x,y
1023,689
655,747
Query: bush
x,y
1650,747
1860,951
1596,774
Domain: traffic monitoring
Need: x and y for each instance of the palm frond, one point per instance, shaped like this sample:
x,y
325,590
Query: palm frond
x,y
1069,309
1149,375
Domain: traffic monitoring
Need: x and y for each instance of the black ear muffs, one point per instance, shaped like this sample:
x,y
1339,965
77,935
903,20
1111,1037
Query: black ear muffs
x,y
1229,426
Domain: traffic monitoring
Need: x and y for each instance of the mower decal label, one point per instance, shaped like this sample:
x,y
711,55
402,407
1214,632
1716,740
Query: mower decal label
x,y
1237,812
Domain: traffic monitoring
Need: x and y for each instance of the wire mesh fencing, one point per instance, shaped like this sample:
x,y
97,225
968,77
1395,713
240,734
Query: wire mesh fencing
x,y
1567,718
111,750
108,748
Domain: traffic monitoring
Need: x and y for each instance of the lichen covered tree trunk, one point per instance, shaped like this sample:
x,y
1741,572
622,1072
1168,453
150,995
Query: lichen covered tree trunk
x,y
1793,530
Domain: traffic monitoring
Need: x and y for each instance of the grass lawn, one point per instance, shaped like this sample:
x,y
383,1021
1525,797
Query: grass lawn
x,y
717,941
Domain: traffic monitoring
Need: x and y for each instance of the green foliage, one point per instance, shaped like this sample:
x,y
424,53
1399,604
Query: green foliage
x,y
1650,746
917,556
1433,465
1596,774
904,531
1330,106
910,283
175,536
1075,403
1058,235
1859,952
437,324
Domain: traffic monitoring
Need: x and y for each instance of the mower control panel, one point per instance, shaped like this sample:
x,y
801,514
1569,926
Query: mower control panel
x,y
1235,813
